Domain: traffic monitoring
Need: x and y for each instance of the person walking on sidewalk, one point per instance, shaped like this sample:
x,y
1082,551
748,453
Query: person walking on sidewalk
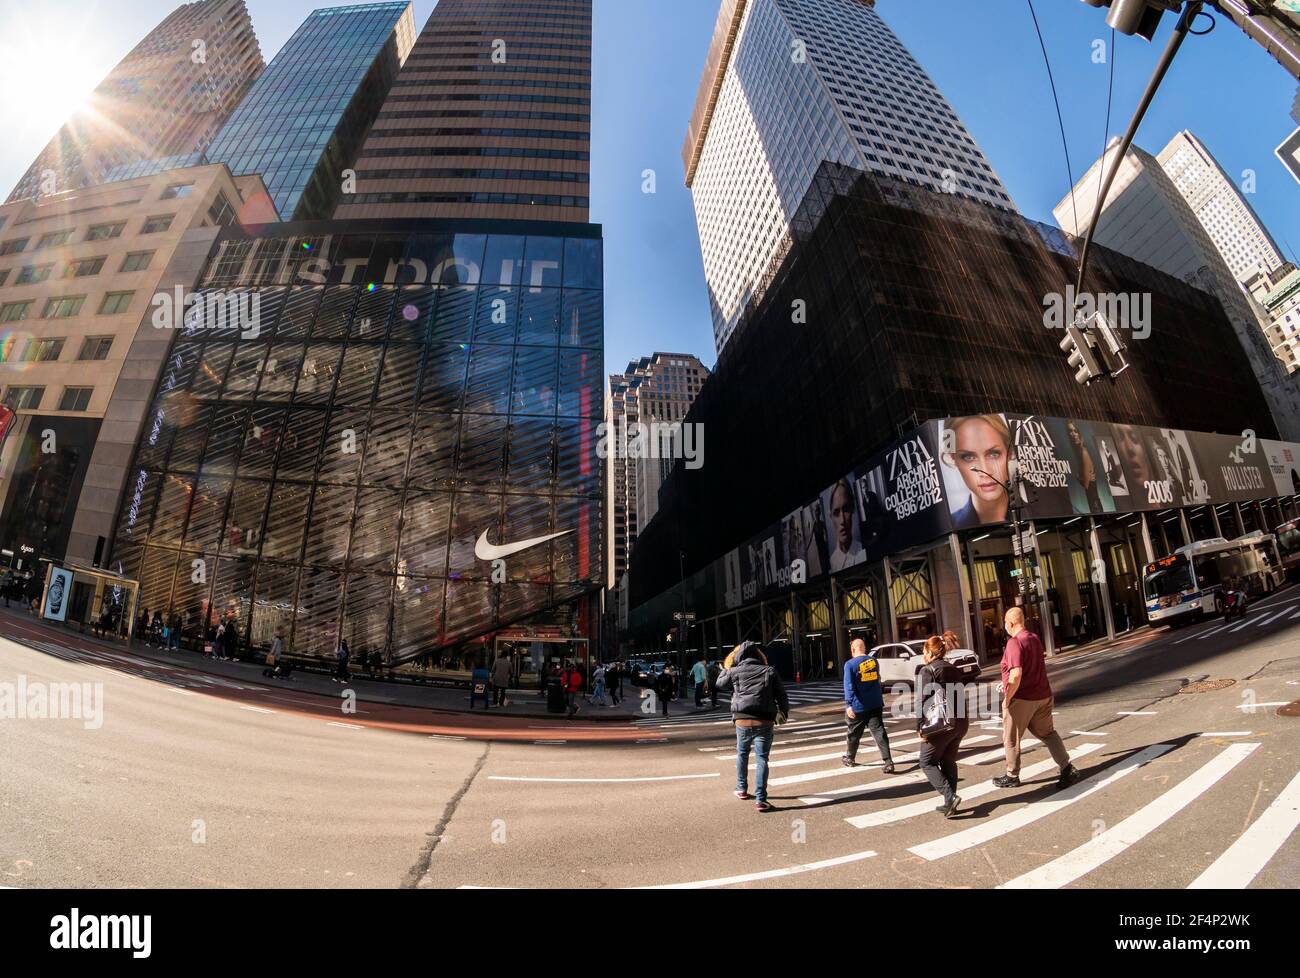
x,y
758,704
342,655
665,686
571,678
598,687
714,672
1027,702
864,706
700,676
502,673
614,682
275,658
941,721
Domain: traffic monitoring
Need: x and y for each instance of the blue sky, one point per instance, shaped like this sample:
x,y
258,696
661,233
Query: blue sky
x,y
983,54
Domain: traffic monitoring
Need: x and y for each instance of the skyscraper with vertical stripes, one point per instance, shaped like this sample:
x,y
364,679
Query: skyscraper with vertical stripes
x,y
490,117
167,98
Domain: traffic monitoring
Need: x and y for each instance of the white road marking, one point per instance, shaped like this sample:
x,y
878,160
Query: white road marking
x,y
766,874
1261,706
1295,616
1271,618
1088,733
1102,848
788,762
183,692
255,709
927,805
1242,861
345,726
1225,733
1135,713
1032,812
672,777
444,737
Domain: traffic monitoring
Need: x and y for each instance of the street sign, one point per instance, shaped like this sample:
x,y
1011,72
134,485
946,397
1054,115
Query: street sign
x,y
684,616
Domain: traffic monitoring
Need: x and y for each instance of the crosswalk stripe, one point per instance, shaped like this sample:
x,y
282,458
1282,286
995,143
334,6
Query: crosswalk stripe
x,y
1242,861
1081,861
1205,634
1033,811
926,805
766,874
853,792
791,761
1271,618
1295,616
842,771
1248,621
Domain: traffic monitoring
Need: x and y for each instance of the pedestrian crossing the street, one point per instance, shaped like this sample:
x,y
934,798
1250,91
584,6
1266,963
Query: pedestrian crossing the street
x,y
1142,791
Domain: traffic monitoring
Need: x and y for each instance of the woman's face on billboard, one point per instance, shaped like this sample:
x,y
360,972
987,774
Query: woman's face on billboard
x,y
981,456
1132,452
842,516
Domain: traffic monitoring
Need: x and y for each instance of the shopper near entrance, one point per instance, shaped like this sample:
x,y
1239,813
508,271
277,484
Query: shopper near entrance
x,y
758,704
502,674
941,720
572,680
1027,702
864,705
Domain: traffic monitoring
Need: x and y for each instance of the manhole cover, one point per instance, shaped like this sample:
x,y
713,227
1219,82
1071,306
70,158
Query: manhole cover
x,y
1208,685
1290,710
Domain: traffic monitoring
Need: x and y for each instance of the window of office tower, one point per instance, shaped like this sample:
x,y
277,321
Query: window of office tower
x,y
329,465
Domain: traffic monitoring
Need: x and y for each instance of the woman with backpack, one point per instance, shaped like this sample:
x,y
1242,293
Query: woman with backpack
x,y
758,705
941,721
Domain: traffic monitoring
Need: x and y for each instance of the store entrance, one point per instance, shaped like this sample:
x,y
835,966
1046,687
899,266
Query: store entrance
x,y
532,660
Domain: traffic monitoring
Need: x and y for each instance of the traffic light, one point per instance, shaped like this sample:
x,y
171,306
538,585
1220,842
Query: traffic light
x,y
1083,358
1140,17
1112,345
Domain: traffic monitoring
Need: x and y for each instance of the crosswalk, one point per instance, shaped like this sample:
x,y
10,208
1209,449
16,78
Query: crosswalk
x,y
1158,782
683,714
1257,617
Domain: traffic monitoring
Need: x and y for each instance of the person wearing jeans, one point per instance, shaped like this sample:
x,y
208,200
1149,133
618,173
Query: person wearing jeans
x,y
758,703
864,706
1027,702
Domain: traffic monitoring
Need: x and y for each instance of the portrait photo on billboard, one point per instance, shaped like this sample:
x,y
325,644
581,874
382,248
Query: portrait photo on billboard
x,y
843,527
976,452
803,535
1090,490
874,519
1112,469
1140,469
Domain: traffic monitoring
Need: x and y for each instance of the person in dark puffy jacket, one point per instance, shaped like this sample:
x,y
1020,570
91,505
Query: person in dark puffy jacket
x,y
938,759
757,699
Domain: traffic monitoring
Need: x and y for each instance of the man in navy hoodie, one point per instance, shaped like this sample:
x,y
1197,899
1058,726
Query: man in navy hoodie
x,y
864,703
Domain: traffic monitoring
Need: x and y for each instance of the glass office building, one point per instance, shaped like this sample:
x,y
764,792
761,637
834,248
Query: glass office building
x,y
303,120
392,394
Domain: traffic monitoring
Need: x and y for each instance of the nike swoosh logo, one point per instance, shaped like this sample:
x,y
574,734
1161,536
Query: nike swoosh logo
x,y
486,551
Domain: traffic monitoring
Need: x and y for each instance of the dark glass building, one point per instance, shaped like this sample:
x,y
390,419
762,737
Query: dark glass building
x,y
922,306
397,393
304,119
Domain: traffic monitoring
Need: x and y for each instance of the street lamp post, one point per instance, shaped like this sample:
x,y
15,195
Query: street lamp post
x,y
1015,503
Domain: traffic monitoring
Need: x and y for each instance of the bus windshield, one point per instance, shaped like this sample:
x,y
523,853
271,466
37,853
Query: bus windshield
x,y
1169,581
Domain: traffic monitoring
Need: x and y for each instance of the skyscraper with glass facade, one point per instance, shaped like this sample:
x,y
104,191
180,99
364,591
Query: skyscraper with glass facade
x,y
164,101
409,390
304,119
788,84
490,118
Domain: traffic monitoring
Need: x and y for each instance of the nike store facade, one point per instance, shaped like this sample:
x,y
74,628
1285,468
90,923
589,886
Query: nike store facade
x,y
384,432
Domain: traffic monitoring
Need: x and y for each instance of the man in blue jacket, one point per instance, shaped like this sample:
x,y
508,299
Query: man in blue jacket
x,y
864,705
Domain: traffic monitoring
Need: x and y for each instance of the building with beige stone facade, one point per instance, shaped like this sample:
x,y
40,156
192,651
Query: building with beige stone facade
x,y
79,354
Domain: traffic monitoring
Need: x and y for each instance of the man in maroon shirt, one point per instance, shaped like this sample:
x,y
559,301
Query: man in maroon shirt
x,y
1027,702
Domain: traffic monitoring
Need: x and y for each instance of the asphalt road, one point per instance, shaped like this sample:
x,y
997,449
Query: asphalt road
x,y
190,782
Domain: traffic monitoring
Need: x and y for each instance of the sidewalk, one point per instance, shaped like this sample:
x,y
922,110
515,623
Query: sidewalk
x,y
20,627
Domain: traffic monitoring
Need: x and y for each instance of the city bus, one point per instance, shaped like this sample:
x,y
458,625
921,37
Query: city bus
x,y
1184,586
1288,544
